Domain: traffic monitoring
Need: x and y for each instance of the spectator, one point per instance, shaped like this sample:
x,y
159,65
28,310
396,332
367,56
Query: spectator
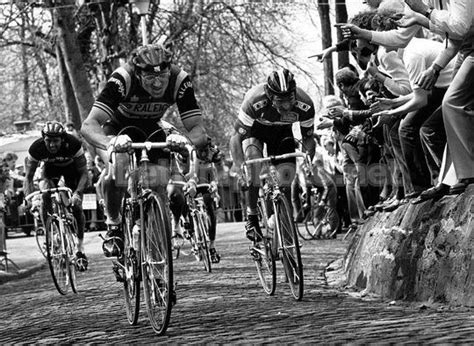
x,y
458,23
421,110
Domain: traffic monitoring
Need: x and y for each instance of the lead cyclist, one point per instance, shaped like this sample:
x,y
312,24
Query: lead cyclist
x,y
137,95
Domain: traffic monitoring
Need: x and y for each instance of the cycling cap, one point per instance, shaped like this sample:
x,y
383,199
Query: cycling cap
x,y
152,57
53,129
280,83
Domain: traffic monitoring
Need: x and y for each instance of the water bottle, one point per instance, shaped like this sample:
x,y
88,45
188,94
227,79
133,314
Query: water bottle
x,y
136,235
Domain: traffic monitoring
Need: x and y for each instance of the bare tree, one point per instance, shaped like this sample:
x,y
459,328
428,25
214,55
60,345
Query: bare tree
x,y
323,9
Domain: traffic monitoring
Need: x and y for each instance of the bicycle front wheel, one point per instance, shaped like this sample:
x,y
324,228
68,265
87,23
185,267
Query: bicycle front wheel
x,y
157,263
202,241
40,235
290,248
263,254
70,238
57,258
131,266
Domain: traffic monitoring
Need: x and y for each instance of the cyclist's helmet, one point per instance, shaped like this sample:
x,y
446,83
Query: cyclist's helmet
x,y
280,83
152,58
53,129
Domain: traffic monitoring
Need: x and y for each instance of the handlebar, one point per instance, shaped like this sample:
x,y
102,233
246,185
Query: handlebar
x,y
53,189
272,158
183,183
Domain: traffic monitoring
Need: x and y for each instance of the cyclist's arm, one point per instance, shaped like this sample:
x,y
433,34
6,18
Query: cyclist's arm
x,y
81,167
190,113
30,168
235,145
196,132
92,128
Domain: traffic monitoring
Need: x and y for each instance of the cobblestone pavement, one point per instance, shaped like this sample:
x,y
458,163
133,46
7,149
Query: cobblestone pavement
x,y
225,306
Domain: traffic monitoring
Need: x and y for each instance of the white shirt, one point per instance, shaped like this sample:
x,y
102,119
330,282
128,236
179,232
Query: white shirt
x,y
419,55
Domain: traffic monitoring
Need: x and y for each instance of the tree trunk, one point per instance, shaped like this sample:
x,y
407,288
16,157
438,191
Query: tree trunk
x,y
67,93
323,9
341,17
47,82
26,80
67,40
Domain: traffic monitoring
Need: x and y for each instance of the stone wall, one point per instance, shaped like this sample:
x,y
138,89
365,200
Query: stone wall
x,y
418,252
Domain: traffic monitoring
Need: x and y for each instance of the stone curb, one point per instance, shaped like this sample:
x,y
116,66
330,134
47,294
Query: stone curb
x,y
22,273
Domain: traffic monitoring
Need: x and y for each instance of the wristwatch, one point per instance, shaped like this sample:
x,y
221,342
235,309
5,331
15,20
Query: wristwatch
x,y
428,12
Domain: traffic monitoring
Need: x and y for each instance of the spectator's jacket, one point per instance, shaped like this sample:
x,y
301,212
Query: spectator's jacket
x,y
128,104
257,108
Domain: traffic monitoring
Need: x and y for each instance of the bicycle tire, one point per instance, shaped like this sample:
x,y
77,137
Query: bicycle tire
x,y
317,217
131,265
157,263
308,226
57,261
202,241
69,237
290,249
40,236
264,257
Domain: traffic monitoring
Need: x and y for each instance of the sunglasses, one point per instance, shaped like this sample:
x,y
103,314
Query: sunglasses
x,y
151,77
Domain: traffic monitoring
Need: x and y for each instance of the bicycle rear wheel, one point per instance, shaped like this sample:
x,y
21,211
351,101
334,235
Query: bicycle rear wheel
x,y
315,222
263,254
157,263
308,225
57,259
131,266
290,248
202,242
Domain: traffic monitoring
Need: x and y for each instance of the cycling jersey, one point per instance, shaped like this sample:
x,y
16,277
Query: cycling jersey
x,y
67,162
257,109
128,104
71,149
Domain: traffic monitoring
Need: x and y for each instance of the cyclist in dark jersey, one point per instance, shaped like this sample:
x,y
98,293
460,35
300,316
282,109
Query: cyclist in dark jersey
x,y
63,156
266,116
138,94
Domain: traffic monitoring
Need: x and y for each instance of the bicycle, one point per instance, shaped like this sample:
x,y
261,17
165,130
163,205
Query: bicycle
x,y
280,240
61,239
199,223
322,221
147,256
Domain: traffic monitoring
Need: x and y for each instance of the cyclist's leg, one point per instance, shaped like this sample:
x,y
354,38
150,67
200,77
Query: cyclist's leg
x,y
252,148
209,203
177,207
49,179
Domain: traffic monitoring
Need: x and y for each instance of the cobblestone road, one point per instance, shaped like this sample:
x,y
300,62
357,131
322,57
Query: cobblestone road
x,y
226,306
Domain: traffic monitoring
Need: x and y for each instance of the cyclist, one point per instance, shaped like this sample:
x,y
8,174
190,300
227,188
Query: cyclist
x,y
63,156
266,116
208,158
138,94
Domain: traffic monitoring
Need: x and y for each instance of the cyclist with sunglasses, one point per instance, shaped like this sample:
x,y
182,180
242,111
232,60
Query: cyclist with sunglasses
x,y
266,117
137,95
